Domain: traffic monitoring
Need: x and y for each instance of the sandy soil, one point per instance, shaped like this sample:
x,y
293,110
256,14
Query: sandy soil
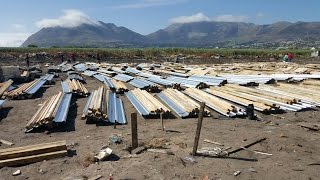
x,y
293,148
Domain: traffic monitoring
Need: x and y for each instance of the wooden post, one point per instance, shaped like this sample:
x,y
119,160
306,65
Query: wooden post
x,y
134,130
197,137
115,125
162,125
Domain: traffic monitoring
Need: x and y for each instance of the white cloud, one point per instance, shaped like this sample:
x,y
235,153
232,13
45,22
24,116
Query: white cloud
x,y
188,19
70,18
12,39
18,27
199,17
230,18
148,3
260,14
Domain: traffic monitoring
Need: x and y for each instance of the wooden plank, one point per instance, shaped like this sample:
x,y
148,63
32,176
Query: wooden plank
x,y
32,159
13,149
32,151
6,142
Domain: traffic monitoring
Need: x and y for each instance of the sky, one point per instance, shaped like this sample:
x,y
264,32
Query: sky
x,y
21,18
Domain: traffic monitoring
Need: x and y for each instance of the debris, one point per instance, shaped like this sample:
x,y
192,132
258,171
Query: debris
x,y
212,142
162,151
252,170
311,127
189,159
115,139
32,153
138,150
16,173
96,177
157,143
247,146
6,142
209,151
236,173
103,154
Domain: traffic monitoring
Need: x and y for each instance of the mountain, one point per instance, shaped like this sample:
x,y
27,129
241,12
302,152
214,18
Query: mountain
x,y
210,33
86,35
197,34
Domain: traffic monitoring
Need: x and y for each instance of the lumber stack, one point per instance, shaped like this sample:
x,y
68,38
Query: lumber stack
x,y
77,87
119,86
20,92
179,101
221,106
18,156
96,107
151,104
5,86
46,113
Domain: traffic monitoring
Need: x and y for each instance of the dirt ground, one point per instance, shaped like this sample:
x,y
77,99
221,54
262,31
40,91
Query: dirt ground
x,y
295,150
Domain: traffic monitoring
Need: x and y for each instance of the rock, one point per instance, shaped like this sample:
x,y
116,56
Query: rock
x,y
138,150
16,173
189,159
236,173
252,170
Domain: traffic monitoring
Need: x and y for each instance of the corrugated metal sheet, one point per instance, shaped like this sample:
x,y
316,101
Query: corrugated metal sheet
x,y
136,103
123,77
115,110
62,112
141,83
176,108
65,87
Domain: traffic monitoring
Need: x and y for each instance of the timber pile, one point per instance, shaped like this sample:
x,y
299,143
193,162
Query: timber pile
x,y
20,92
46,113
96,108
221,106
5,86
259,106
77,87
153,105
18,156
184,102
119,86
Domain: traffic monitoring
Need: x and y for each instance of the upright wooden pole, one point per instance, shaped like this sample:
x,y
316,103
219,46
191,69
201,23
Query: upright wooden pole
x,y
134,130
162,124
197,137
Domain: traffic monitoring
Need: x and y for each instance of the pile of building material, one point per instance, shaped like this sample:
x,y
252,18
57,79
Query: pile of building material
x,y
185,82
183,105
268,98
221,106
77,87
75,75
23,155
209,80
103,105
5,86
53,110
259,106
146,104
26,90
144,84
96,108
120,87
123,77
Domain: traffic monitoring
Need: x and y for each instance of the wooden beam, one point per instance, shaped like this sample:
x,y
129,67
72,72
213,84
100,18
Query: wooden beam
x,y
134,130
199,125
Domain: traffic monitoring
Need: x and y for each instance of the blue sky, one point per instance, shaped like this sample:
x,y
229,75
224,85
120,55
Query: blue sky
x,y
20,18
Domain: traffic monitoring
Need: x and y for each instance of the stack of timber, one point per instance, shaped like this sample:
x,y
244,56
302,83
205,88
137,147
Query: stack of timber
x,y
221,106
259,106
183,105
77,87
53,110
23,91
144,84
96,108
5,86
104,105
119,86
283,101
18,156
146,104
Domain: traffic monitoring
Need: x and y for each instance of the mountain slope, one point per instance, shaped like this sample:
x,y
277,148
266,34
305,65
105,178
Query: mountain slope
x,y
197,34
85,35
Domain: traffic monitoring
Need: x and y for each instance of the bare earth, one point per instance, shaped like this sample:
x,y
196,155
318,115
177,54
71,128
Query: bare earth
x,y
295,150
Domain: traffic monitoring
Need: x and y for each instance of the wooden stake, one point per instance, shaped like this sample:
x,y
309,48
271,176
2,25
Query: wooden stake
x,y
197,137
134,130
115,125
162,124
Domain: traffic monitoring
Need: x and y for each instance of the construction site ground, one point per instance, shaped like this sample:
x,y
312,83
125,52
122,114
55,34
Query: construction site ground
x,y
295,150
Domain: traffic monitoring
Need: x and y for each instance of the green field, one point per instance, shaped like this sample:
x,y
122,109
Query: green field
x,y
158,52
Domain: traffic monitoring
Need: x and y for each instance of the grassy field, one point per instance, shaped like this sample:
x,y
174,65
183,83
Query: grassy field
x,y
158,52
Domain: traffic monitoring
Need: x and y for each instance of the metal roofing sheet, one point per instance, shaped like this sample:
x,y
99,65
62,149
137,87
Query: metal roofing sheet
x,y
63,109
